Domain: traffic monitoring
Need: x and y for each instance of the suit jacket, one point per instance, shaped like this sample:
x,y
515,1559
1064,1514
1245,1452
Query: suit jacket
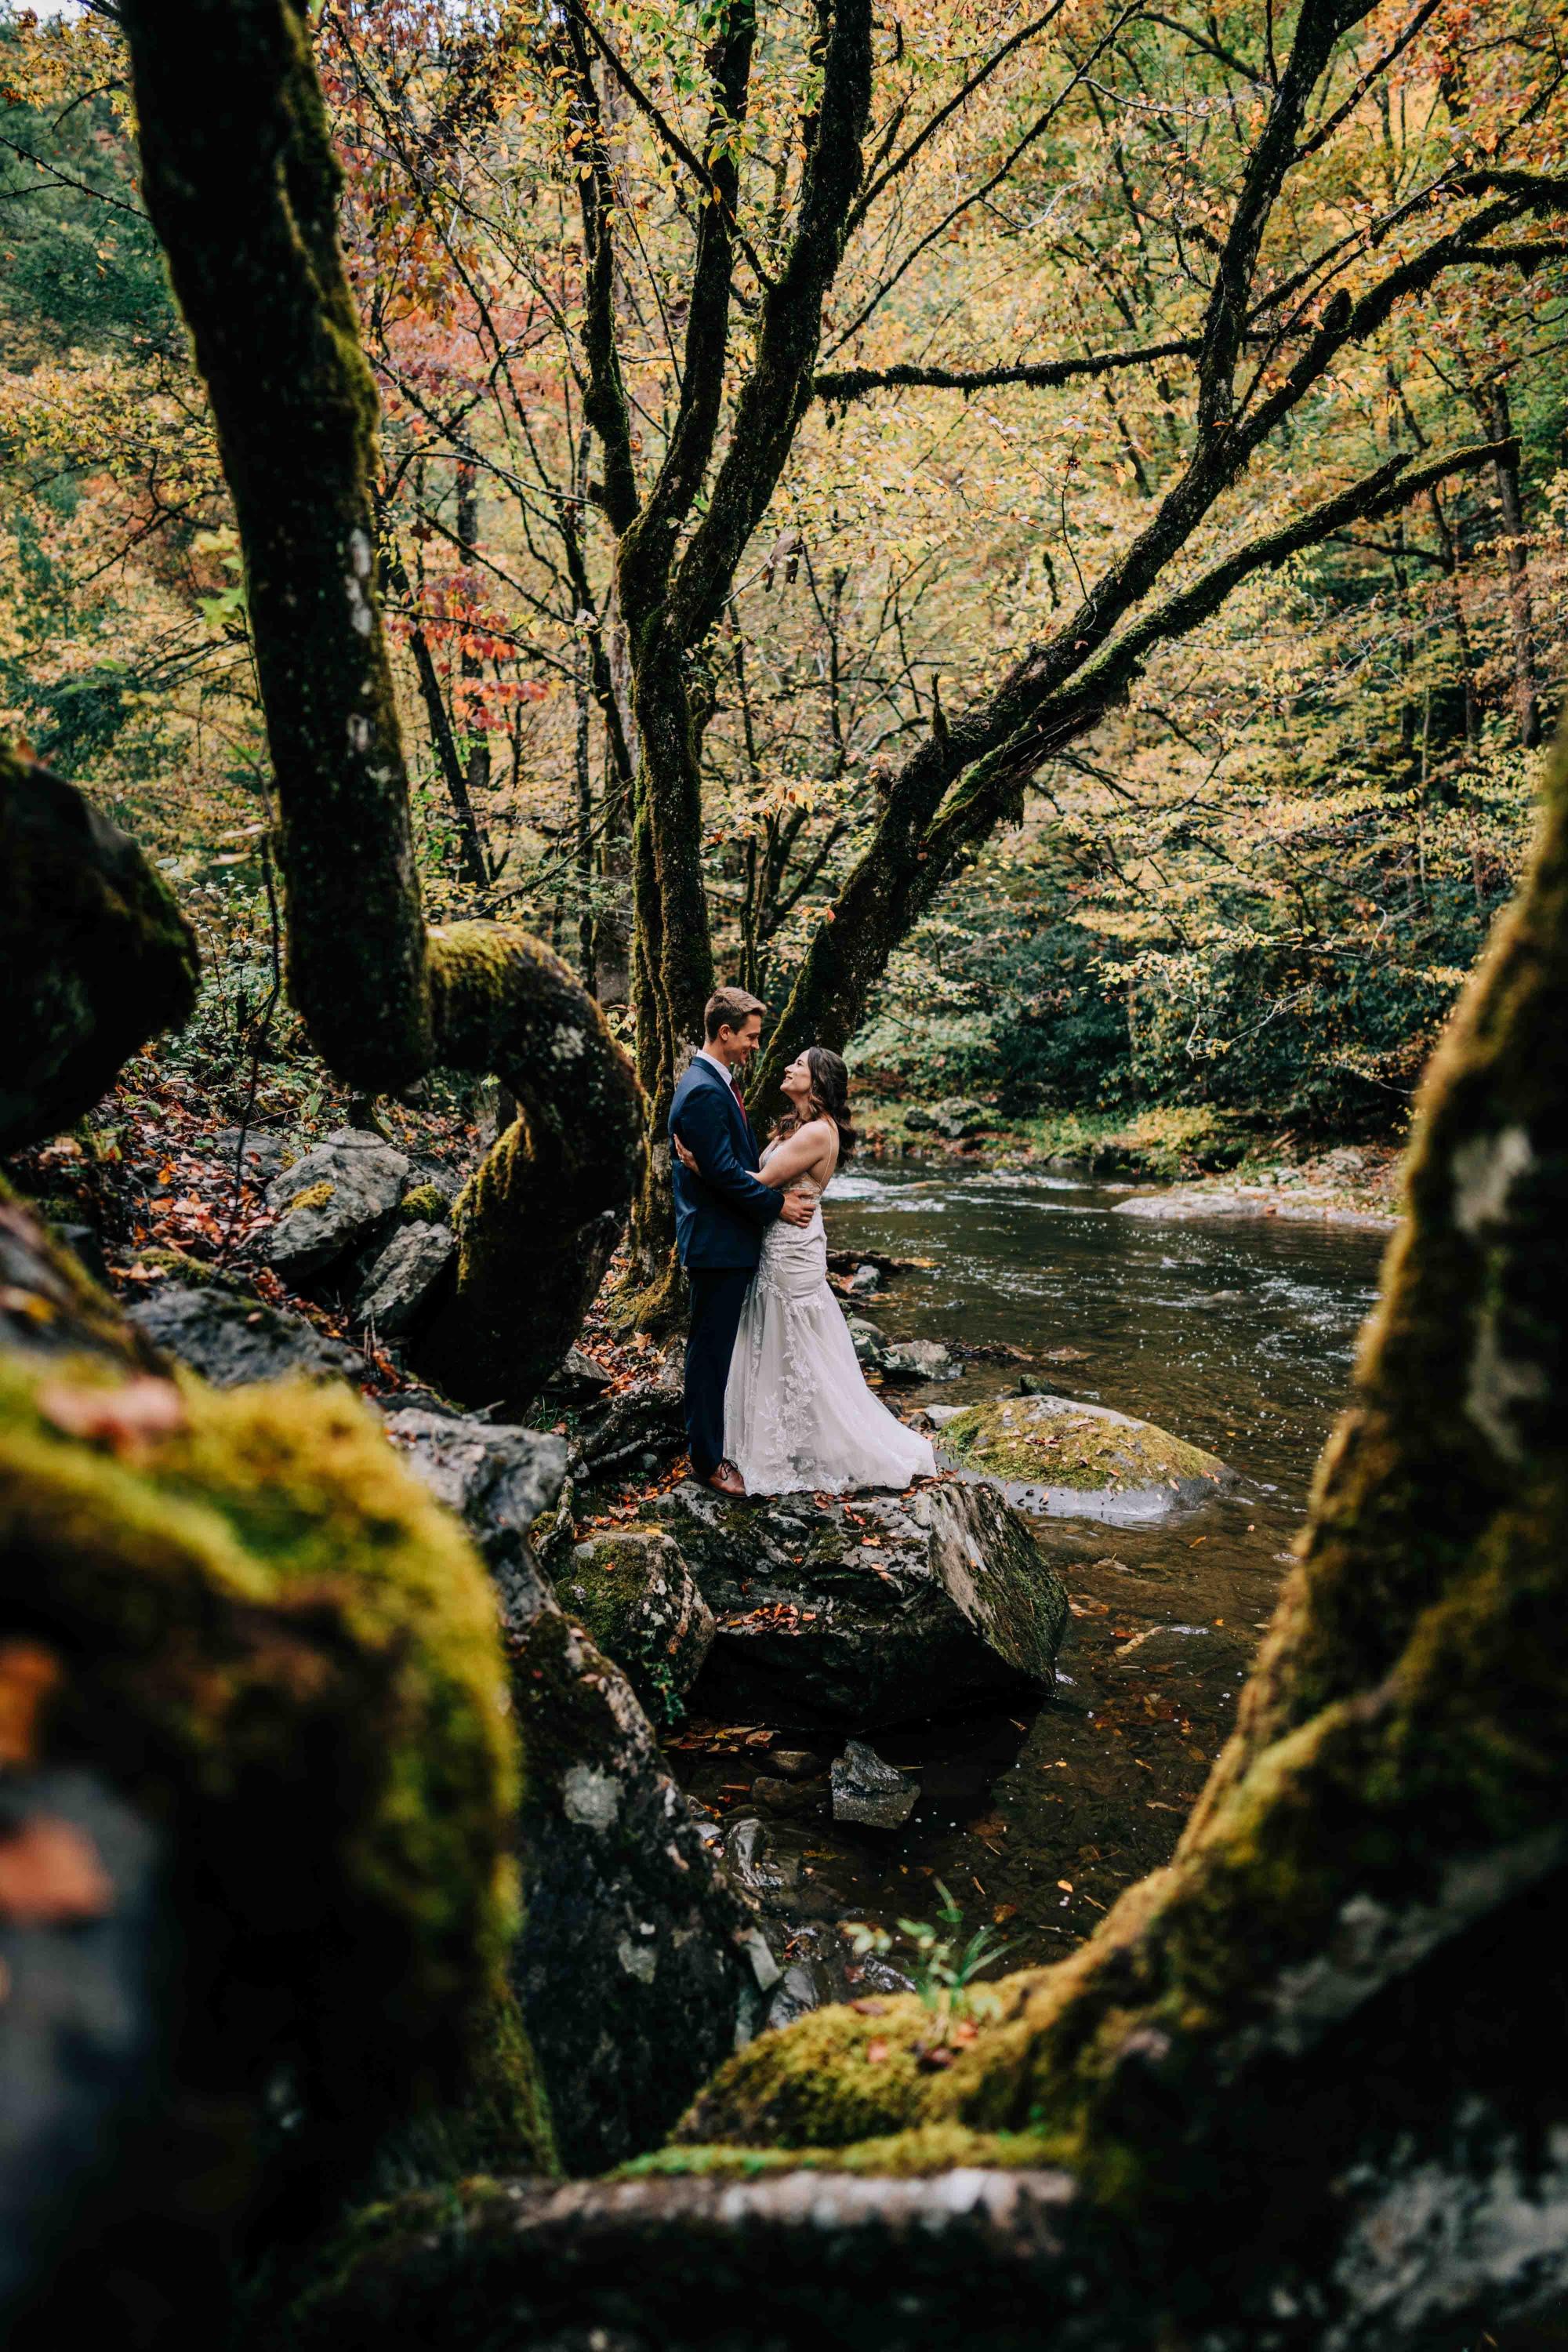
x,y
720,1214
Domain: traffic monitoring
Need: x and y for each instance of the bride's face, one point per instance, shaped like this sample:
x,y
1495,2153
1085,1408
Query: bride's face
x,y
796,1081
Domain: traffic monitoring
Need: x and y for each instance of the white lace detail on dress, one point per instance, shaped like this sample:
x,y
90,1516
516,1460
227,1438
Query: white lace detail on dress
x,y
798,1413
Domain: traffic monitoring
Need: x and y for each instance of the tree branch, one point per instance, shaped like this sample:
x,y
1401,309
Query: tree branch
x,y
847,384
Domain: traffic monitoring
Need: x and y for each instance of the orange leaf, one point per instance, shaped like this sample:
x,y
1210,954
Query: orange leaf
x,y
875,2052
28,1674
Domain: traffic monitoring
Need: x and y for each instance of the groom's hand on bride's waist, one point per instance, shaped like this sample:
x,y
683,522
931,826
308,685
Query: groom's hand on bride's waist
x,y
799,1208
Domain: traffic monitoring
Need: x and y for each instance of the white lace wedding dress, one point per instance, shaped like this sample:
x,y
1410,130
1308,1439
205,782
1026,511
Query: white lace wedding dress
x,y
798,1413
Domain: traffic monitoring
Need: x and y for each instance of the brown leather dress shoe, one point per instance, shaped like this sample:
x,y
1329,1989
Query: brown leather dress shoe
x,y
727,1480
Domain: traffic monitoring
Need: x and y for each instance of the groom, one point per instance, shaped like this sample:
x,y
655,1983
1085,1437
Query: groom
x,y
719,1218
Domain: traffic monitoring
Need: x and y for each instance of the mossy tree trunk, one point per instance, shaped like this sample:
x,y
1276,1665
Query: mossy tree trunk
x,y
1305,2086
242,186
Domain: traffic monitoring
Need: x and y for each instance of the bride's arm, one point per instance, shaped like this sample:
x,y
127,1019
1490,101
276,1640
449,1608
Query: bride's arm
x,y
797,1155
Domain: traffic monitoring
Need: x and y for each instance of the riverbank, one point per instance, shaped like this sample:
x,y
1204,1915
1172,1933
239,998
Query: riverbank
x,y
1218,1164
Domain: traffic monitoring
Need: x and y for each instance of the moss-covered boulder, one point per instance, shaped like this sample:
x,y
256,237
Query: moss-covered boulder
x,y
633,1590
1083,1461
866,1608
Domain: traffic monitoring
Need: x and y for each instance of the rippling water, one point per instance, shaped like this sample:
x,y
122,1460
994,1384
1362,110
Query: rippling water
x,y
1235,1333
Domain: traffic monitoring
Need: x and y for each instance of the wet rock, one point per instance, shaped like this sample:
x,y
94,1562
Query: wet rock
x,y
919,1360
577,1379
871,1345
957,1117
633,1590
229,1337
404,1285
334,1202
264,1156
864,1281
866,1608
1083,1460
792,1800
867,1790
797,1763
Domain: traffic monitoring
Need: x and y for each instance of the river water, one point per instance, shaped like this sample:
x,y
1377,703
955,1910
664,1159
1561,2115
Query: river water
x,y
1234,1333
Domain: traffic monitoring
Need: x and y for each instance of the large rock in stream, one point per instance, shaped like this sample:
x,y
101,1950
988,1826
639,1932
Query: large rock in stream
x,y
866,1608
639,1965
1083,1461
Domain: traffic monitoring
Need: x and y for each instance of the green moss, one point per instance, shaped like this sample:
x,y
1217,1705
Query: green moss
x,y
835,2077
423,1205
1049,1440
923,2149
274,1635
611,1584
314,1196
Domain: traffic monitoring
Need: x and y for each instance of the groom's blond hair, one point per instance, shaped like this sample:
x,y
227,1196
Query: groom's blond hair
x,y
729,1008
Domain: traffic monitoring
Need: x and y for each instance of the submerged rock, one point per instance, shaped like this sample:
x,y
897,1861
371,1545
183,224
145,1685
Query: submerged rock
x,y
869,1608
230,1337
334,1201
867,1788
634,1591
919,1360
1084,1460
404,1286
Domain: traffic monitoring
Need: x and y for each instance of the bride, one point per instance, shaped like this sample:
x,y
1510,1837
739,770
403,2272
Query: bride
x,y
798,1413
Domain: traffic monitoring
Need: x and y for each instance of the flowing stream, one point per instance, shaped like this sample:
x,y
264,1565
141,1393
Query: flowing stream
x,y
1234,1333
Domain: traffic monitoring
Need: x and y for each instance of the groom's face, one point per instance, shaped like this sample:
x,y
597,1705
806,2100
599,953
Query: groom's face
x,y
737,1046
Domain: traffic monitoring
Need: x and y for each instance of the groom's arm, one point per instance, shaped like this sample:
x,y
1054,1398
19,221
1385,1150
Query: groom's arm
x,y
704,1126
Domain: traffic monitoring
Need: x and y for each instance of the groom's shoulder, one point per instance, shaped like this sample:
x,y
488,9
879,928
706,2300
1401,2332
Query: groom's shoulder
x,y
697,1076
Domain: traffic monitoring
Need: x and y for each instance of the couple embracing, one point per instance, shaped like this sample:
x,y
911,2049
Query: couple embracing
x,y
775,1401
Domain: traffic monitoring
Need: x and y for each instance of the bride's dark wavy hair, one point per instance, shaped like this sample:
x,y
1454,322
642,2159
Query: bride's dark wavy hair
x,y
829,1097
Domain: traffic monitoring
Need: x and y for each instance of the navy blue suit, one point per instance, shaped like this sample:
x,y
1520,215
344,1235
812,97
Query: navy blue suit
x,y
718,1219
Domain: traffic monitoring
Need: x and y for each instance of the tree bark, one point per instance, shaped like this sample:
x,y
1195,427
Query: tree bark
x,y
1494,405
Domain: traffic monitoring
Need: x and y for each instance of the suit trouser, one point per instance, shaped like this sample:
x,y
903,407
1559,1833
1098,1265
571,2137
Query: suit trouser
x,y
718,1295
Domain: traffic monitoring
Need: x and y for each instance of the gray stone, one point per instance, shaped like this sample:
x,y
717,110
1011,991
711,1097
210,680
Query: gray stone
x,y
864,1281
265,1156
867,1790
404,1286
797,1763
497,1478
230,1338
866,1608
939,1415
338,1199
